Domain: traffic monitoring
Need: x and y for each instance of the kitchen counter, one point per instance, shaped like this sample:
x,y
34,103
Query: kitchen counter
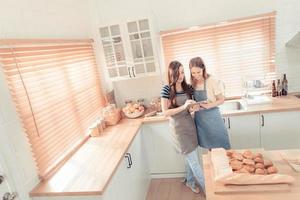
x,y
90,169
293,194
278,104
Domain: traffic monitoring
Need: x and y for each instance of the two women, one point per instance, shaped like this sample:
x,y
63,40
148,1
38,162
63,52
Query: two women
x,y
208,130
176,99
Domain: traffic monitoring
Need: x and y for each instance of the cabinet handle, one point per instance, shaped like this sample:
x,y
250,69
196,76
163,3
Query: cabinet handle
x,y
129,72
130,160
9,196
228,119
129,165
133,71
262,120
1,179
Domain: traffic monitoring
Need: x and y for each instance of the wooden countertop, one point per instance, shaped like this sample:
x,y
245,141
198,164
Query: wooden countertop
x,y
90,169
278,104
293,194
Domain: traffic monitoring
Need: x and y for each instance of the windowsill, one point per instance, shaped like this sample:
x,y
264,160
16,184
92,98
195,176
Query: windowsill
x,y
90,169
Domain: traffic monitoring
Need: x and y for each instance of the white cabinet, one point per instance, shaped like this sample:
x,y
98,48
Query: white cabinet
x,y
280,130
128,49
162,157
243,131
131,180
276,130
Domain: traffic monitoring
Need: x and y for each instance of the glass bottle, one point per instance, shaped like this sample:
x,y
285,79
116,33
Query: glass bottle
x,y
274,91
279,88
284,85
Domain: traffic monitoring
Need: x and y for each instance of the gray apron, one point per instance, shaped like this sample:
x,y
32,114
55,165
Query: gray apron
x,y
211,130
183,128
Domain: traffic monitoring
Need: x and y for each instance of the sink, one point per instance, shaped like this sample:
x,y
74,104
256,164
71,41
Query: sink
x,y
297,95
231,106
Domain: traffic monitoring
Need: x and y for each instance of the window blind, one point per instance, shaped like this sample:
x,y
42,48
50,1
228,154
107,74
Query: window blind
x,y
55,86
233,51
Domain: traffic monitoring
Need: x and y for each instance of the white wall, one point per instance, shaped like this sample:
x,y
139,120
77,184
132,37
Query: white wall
x,y
44,19
172,14
68,19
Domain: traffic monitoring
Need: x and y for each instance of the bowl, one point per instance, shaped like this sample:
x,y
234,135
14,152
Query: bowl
x,y
134,115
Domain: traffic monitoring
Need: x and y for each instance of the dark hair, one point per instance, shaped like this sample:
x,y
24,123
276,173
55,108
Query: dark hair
x,y
198,62
173,75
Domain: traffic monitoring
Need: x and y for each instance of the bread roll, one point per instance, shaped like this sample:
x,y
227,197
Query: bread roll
x,y
248,154
243,170
260,171
229,153
257,155
249,168
268,163
238,156
259,166
259,160
272,170
236,165
249,162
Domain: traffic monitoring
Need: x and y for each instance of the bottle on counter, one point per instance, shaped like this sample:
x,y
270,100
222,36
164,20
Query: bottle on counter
x,y
279,87
284,90
274,90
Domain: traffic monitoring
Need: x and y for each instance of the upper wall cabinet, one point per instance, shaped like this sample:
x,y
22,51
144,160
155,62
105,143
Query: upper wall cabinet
x,y
128,49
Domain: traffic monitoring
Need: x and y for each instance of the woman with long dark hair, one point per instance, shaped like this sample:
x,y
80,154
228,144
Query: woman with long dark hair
x,y
211,130
176,101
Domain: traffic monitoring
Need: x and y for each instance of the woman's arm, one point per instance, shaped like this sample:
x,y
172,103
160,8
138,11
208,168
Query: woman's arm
x,y
169,112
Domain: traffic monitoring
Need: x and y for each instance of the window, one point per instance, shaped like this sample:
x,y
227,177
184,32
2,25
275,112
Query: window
x,y
230,50
56,89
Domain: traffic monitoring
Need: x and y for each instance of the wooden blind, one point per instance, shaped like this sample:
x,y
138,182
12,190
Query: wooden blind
x,y
57,93
232,51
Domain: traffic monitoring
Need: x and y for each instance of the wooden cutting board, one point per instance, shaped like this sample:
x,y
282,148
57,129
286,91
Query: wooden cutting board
x,y
223,189
219,188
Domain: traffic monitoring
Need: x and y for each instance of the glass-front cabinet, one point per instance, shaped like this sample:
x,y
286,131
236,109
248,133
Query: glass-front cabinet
x,y
128,49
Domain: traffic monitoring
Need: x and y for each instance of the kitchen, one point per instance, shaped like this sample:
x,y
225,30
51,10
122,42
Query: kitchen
x,y
81,20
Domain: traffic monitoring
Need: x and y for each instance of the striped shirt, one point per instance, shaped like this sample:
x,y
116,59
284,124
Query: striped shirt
x,y
165,92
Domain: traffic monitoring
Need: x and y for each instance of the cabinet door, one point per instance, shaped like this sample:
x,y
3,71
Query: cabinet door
x,y
118,186
280,130
142,53
243,131
162,157
138,174
114,53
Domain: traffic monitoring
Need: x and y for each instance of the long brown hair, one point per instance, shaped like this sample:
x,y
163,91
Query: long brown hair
x,y
173,75
198,62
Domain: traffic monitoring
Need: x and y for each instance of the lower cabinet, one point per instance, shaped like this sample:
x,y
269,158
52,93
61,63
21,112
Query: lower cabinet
x,y
271,131
132,179
243,131
280,130
162,157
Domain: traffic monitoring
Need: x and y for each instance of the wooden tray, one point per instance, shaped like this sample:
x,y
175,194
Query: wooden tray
x,y
219,188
